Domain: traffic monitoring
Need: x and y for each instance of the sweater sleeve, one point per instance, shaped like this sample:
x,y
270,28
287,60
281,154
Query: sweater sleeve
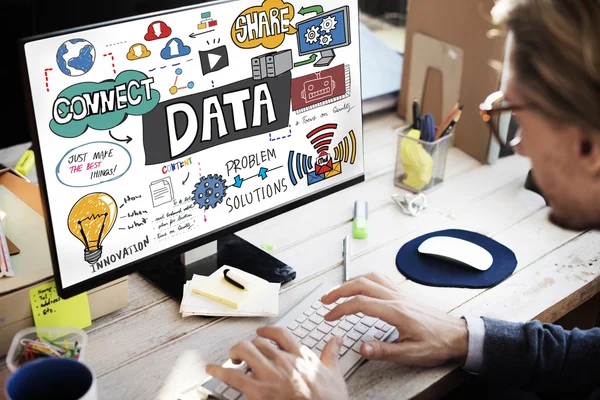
x,y
544,359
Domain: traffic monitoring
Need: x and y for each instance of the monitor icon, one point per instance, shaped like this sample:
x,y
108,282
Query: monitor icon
x,y
323,33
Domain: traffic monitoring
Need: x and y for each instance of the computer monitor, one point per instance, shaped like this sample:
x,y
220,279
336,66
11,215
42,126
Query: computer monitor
x,y
164,134
323,33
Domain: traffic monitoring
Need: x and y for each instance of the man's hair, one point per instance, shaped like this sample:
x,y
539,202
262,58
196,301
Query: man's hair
x,y
556,57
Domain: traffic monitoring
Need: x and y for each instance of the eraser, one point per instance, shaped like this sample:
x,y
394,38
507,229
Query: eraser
x,y
360,223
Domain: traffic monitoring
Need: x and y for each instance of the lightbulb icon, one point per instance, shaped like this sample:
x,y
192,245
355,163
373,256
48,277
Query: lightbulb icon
x,y
90,220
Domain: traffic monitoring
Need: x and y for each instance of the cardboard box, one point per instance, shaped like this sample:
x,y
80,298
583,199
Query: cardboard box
x,y
24,225
463,24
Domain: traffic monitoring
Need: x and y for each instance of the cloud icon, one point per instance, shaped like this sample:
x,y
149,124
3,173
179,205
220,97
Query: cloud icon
x,y
157,30
138,51
175,48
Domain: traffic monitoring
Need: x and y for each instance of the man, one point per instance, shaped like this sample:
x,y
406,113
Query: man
x,y
554,93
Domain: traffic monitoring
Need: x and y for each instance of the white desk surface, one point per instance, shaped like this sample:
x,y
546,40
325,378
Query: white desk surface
x,y
148,351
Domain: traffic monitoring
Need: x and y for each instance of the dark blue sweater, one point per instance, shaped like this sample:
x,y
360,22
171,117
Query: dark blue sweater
x,y
543,359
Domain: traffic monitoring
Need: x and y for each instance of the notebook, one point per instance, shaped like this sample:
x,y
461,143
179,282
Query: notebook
x,y
262,299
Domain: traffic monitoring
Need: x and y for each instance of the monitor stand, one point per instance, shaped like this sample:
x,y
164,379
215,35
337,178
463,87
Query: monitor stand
x,y
229,250
327,57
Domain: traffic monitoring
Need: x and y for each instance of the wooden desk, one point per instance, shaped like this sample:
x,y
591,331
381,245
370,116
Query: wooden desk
x,y
148,351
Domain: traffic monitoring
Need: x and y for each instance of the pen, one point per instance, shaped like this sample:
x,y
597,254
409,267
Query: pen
x,y
346,252
450,127
26,162
446,121
416,114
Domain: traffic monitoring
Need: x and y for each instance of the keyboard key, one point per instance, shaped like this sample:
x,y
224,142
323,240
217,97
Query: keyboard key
x,y
340,300
301,332
317,352
360,315
315,319
309,326
349,360
386,327
379,324
348,342
379,335
368,321
293,326
221,387
309,312
354,335
322,311
361,328
338,332
231,394
353,319
367,338
318,335
309,342
330,306
343,350
333,323
301,318
324,327
320,346
356,347
317,305
327,337
345,326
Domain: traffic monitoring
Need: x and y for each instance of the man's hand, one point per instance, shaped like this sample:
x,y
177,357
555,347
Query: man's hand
x,y
427,337
288,372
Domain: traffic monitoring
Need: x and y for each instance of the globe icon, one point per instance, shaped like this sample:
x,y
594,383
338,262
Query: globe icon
x,y
75,57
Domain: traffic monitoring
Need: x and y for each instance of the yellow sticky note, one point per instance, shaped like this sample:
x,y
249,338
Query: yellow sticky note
x,y
50,310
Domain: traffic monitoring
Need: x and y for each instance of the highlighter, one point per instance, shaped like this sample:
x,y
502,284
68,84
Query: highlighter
x,y
26,162
360,223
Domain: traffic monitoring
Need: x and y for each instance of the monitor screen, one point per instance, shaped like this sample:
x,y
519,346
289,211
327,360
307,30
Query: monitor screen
x,y
158,134
326,31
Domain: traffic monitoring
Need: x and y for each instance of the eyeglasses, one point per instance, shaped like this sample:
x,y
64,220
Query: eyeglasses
x,y
496,110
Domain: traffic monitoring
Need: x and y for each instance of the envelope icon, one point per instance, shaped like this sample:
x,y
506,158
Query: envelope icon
x,y
321,169
336,170
313,178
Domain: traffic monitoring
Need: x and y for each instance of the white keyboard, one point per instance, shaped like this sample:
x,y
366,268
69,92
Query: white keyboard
x,y
305,321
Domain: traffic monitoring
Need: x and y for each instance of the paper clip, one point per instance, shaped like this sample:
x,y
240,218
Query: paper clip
x,y
411,204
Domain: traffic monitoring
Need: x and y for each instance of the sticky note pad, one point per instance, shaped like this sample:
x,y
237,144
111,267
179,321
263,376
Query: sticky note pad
x,y
50,310
215,287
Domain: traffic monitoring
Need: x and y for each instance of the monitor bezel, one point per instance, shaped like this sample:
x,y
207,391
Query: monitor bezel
x,y
346,10
172,252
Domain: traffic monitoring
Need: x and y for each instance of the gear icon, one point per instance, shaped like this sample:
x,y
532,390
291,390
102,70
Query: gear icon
x,y
312,35
325,40
328,24
210,191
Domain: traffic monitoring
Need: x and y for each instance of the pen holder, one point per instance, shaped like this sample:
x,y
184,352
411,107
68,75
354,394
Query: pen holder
x,y
420,165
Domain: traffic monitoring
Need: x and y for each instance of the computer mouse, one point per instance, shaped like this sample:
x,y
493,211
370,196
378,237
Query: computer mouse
x,y
457,250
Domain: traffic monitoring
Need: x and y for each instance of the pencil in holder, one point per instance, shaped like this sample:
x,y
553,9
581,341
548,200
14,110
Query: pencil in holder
x,y
420,165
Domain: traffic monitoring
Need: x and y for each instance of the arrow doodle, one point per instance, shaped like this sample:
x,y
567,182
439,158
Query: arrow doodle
x,y
316,9
127,140
186,179
310,60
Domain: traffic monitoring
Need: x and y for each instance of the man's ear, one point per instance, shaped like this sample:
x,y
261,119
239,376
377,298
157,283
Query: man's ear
x,y
590,154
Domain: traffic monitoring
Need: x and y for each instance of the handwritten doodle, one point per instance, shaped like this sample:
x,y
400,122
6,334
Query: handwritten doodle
x,y
75,57
102,105
320,88
214,60
137,52
174,89
161,191
205,25
175,48
90,220
281,137
112,60
172,65
210,191
157,30
46,78
116,44
265,25
93,164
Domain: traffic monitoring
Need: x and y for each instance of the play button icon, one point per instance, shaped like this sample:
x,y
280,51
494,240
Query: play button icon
x,y
214,60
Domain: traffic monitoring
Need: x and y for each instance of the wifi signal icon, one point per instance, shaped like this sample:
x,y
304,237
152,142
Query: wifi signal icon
x,y
303,165
321,141
346,149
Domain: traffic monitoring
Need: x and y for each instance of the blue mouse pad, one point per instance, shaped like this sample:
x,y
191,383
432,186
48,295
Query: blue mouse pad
x,y
432,271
